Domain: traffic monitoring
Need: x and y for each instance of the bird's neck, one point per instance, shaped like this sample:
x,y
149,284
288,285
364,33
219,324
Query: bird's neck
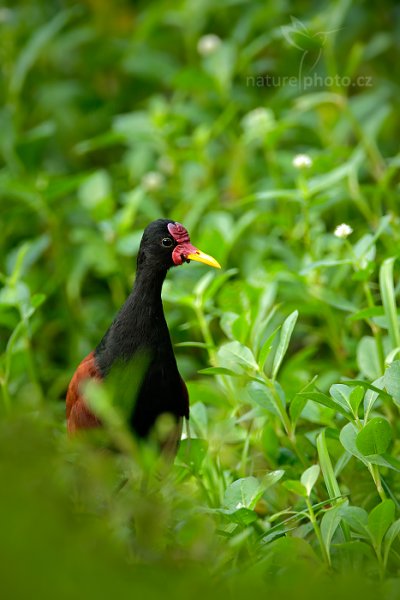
x,y
140,324
146,292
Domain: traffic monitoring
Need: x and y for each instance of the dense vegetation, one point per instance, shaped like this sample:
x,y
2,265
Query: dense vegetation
x,y
117,113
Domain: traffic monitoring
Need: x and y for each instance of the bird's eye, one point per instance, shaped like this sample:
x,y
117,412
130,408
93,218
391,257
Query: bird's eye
x,y
166,242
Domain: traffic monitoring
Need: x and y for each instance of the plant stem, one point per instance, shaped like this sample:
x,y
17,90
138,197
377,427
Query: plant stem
x,y
317,530
374,470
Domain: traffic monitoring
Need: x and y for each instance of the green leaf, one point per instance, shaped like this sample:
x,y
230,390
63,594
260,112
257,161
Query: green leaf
x,y
241,516
218,371
357,518
237,357
355,399
348,437
264,397
329,523
389,300
36,44
392,380
326,466
341,395
266,348
379,521
286,333
192,453
392,533
297,406
371,396
309,478
367,358
295,487
367,313
375,437
271,478
323,399
243,493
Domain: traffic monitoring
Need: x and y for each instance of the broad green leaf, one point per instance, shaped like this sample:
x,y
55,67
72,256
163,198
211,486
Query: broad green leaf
x,y
356,398
241,516
341,395
286,333
367,358
226,322
392,380
392,533
379,520
296,407
299,401
348,437
384,460
296,487
271,478
243,493
375,437
329,523
357,518
309,478
264,397
237,357
323,399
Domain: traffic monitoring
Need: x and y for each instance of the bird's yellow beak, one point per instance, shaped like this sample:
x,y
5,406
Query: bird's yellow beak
x,y
200,256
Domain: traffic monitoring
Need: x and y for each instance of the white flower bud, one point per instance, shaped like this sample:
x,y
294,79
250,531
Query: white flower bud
x,y
343,230
208,44
152,181
302,161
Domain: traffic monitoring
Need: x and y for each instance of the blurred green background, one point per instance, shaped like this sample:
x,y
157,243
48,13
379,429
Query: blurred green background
x,y
115,114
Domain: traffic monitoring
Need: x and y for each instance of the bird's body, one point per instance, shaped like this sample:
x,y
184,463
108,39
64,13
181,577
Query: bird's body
x,y
140,332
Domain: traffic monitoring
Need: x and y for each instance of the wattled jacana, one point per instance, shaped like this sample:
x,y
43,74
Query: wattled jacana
x,y
140,329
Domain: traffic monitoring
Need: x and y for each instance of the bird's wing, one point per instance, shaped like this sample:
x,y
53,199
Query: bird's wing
x,y
78,414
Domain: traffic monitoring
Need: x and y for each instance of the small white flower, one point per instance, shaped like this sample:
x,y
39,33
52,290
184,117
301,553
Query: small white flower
x,y
152,181
343,230
239,505
208,44
302,161
260,118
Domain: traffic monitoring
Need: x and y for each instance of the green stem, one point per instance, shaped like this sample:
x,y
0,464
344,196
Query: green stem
x,y
6,396
375,329
317,530
205,331
285,420
374,470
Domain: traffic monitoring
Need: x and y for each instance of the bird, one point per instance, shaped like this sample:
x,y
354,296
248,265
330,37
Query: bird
x,y
140,330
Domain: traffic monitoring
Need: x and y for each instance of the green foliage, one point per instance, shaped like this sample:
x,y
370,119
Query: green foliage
x,y
115,114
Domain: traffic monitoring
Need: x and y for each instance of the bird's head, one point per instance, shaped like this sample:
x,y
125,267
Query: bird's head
x,y
167,244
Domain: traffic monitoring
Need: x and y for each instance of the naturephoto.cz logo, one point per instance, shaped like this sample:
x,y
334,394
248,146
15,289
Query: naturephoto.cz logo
x,y
311,47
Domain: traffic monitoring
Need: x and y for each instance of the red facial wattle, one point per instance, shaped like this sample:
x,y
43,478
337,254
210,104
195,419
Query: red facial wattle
x,y
184,250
